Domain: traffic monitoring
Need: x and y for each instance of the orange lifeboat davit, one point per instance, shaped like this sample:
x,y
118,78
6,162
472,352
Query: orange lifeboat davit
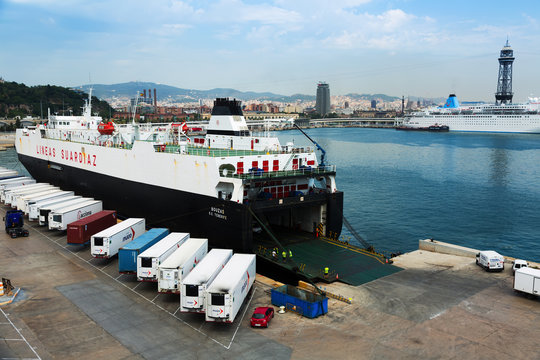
x,y
106,128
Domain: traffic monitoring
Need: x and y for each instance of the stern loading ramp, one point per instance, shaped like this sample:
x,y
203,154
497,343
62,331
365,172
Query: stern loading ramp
x,y
346,263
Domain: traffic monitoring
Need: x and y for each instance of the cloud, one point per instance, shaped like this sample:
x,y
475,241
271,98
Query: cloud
x,y
48,21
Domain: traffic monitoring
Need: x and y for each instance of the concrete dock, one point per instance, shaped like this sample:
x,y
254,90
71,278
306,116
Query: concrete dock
x,y
441,306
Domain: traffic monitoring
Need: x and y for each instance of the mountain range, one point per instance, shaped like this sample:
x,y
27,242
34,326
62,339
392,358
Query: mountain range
x,y
131,89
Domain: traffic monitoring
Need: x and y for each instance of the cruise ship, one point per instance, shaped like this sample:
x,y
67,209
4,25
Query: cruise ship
x,y
510,118
503,116
225,185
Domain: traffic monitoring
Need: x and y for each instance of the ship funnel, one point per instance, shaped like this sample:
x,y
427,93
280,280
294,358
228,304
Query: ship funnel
x,y
452,102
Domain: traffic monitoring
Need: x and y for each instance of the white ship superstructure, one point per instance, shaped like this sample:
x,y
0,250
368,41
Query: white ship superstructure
x,y
207,185
514,118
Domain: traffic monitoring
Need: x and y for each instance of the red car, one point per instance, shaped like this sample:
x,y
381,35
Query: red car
x,y
262,316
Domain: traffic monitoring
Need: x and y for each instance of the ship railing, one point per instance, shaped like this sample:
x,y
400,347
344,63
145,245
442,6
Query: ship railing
x,y
306,171
200,150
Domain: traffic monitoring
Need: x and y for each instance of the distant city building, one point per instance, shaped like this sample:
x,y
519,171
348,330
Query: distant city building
x,y
346,105
373,104
322,105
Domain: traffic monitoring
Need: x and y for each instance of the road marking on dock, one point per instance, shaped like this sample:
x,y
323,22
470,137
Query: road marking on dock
x,y
145,298
20,334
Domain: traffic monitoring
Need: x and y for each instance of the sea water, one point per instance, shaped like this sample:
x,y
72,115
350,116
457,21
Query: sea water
x,y
479,190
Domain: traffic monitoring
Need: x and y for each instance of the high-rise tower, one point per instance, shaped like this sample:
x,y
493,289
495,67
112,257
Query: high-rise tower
x,y
504,83
322,104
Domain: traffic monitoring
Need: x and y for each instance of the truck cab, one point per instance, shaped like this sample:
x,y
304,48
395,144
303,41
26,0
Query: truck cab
x,y
518,264
14,221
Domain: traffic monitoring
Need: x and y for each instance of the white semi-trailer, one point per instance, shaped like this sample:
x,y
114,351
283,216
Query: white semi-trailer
x,y
21,200
60,218
230,288
45,210
6,191
33,192
149,260
16,181
180,263
106,243
527,280
57,194
27,189
6,174
33,209
14,185
194,285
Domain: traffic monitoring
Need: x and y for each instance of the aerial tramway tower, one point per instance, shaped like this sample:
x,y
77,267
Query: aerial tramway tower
x,y
504,92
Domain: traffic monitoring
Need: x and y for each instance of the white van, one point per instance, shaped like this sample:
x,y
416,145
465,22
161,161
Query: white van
x,y
490,260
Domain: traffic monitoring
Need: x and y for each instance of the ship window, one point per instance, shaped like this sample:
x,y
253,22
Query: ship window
x,y
218,299
146,262
192,290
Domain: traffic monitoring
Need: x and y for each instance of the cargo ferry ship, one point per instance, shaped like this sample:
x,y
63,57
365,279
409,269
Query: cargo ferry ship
x,y
224,186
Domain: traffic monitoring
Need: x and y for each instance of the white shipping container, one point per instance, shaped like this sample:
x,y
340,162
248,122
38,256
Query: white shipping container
x,y
21,200
194,285
57,194
33,209
527,280
26,189
14,184
8,185
15,180
180,263
60,218
228,291
8,173
45,210
149,260
35,191
106,243
18,188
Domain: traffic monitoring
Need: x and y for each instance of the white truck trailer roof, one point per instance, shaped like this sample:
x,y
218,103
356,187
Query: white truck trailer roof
x,y
158,248
234,270
183,253
118,227
206,268
72,207
14,179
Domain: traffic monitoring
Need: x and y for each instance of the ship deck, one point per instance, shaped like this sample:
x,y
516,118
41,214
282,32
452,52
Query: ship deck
x,y
311,255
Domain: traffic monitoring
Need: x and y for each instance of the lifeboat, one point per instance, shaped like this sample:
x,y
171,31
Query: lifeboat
x,y
106,128
183,127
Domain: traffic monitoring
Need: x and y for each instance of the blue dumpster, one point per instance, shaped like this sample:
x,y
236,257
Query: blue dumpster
x,y
303,302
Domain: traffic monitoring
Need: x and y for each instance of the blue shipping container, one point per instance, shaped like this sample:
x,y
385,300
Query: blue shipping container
x,y
127,255
303,302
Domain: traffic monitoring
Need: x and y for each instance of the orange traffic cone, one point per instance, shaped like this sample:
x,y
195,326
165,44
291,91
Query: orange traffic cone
x,y
337,276
1,288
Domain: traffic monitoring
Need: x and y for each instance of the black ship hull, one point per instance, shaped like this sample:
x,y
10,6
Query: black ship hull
x,y
226,224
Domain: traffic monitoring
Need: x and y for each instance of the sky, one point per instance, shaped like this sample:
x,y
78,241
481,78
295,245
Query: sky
x,y
400,47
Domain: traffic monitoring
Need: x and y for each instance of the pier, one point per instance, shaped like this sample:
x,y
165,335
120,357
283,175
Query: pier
x,y
440,305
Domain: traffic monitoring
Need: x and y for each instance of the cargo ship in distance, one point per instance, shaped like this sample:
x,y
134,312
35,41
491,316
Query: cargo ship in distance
x,y
223,186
